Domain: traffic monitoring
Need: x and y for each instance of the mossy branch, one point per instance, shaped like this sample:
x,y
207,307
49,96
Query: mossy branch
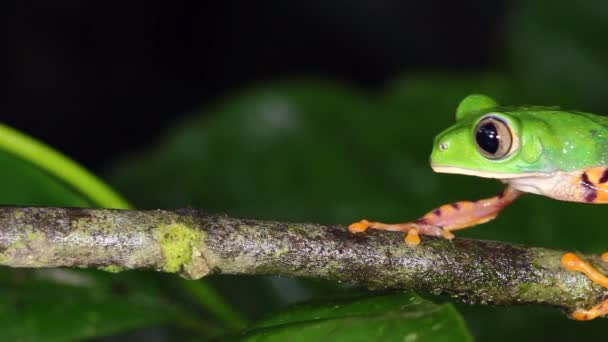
x,y
195,245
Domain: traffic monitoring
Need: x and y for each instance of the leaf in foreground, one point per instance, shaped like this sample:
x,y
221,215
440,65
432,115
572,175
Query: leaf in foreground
x,y
64,304
400,317
39,306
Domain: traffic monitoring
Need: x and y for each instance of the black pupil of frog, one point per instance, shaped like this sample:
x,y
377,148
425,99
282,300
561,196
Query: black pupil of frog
x,y
487,137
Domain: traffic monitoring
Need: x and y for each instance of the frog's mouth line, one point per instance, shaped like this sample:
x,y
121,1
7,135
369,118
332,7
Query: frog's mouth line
x,y
486,174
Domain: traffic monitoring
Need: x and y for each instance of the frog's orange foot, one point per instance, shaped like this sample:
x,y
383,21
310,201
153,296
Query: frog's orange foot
x,y
587,315
572,262
359,227
413,230
363,225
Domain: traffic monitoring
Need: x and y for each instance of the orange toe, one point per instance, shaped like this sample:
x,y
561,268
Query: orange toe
x,y
446,234
412,238
359,227
571,262
584,315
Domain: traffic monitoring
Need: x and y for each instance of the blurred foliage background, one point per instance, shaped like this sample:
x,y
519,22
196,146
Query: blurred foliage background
x,y
306,111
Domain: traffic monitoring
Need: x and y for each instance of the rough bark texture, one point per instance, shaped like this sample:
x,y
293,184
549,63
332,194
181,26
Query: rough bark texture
x,y
194,245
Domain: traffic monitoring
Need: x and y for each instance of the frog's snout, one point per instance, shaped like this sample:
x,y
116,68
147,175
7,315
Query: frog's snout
x,y
438,153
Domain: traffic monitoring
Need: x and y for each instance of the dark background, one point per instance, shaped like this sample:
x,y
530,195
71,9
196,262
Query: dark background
x,y
94,79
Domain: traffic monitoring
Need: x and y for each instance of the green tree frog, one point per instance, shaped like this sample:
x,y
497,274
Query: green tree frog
x,y
540,150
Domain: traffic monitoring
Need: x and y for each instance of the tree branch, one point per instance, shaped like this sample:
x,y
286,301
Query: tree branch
x,y
194,245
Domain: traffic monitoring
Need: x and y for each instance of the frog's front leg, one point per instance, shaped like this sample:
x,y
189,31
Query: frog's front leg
x,y
448,217
573,263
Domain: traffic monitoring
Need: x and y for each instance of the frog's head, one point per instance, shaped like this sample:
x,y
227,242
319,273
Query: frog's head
x,y
487,141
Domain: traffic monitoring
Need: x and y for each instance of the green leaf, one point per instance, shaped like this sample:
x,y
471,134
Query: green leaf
x,y
325,153
399,317
322,152
24,184
310,151
52,305
43,173
59,304
336,156
303,151
35,174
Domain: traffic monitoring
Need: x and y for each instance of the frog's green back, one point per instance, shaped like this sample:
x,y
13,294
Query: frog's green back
x,y
570,140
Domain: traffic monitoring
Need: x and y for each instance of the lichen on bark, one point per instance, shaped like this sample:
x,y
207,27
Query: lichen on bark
x,y
179,244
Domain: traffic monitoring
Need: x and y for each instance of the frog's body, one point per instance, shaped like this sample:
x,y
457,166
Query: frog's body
x,y
541,150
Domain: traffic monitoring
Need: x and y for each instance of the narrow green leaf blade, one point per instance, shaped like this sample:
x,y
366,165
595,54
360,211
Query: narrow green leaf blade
x,y
59,304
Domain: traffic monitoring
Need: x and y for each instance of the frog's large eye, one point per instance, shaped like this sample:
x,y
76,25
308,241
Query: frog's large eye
x,y
493,138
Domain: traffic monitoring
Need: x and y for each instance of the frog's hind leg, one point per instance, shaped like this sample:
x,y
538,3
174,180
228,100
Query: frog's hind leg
x,y
440,221
573,263
592,186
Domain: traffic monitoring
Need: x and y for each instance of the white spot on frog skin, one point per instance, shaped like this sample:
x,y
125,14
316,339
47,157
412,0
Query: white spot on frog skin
x,y
436,326
567,147
410,337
